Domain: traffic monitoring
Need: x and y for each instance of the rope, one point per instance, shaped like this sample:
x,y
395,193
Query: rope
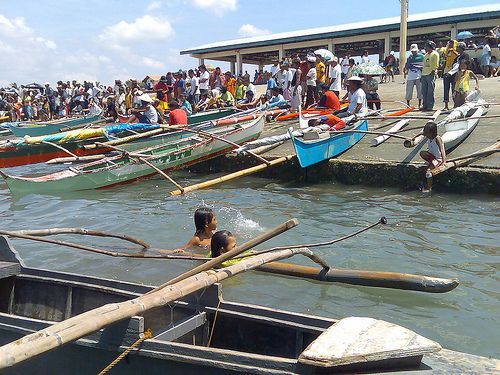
x,y
213,325
147,335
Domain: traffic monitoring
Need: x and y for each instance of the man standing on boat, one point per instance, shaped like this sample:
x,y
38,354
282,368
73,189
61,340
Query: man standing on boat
x,y
430,65
204,80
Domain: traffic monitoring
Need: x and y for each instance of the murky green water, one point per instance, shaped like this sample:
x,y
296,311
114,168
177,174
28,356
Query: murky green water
x,y
438,235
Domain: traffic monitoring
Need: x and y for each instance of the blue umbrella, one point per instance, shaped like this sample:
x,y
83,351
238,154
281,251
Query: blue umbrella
x,y
464,35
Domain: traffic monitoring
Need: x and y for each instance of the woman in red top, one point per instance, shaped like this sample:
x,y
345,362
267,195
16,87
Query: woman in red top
x,y
176,116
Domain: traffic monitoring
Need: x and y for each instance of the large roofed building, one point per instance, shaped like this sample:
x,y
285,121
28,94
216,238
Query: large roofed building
x,y
376,36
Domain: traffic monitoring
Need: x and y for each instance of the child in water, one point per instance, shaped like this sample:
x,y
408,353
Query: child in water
x,y
436,154
205,224
222,242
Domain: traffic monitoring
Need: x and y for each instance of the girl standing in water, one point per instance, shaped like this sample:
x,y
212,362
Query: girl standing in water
x,y
205,223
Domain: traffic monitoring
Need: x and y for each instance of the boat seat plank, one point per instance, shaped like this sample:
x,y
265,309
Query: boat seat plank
x,y
182,328
356,340
8,269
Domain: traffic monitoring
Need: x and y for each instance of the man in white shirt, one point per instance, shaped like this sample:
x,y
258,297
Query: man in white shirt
x,y
204,80
250,87
365,59
345,67
282,75
194,87
358,104
274,69
335,74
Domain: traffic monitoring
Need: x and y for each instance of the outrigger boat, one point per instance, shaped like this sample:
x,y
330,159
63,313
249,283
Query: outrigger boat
x,y
317,145
33,129
457,131
30,150
128,167
202,333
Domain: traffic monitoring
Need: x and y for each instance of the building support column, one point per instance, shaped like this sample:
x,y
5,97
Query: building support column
x,y
201,61
233,67
387,44
239,64
281,53
403,33
331,46
261,67
453,30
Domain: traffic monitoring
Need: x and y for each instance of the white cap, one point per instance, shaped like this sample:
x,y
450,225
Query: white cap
x,y
145,98
414,48
355,78
335,59
392,53
47,84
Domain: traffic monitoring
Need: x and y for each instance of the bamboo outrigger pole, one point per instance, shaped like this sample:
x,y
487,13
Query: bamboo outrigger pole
x,y
81,325
232,176
466,159
189,282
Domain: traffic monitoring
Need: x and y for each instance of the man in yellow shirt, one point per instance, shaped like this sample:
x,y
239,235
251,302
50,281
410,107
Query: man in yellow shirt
x,y
320,74
430,65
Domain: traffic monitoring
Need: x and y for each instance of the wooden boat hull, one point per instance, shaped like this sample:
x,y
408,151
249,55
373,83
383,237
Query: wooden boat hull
x,y
126,170
34,129
14,153
315,151
248,339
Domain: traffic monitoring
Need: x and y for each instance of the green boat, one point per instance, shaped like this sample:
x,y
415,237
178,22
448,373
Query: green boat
x,y
128,167
33,129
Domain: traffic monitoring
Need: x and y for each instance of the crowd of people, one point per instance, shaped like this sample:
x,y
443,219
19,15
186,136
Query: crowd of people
x,y
296,81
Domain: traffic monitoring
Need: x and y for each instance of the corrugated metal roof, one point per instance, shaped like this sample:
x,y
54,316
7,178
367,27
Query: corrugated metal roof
x,y
356,28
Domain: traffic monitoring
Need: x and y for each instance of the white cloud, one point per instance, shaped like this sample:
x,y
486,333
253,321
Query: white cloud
x,y
153,6
248,30
145,29
218,7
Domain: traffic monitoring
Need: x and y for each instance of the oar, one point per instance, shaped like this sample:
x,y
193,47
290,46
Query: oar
x,y
232,176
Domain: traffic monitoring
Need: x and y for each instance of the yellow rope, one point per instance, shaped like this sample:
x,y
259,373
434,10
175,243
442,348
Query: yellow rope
x,y
213,325
147,335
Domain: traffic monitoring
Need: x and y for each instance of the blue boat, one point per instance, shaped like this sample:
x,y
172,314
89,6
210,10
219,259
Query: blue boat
x,y
21,129
323,146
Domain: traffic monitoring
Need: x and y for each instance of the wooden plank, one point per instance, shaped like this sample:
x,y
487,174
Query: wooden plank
x,y
182,328
356,340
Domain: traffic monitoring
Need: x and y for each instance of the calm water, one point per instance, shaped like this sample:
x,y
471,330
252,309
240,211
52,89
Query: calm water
x,y
438,235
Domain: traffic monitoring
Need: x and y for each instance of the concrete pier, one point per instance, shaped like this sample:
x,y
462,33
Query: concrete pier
x,y
390,164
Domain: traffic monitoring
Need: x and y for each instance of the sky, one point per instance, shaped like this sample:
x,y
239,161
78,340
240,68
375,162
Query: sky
x,y
100,40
